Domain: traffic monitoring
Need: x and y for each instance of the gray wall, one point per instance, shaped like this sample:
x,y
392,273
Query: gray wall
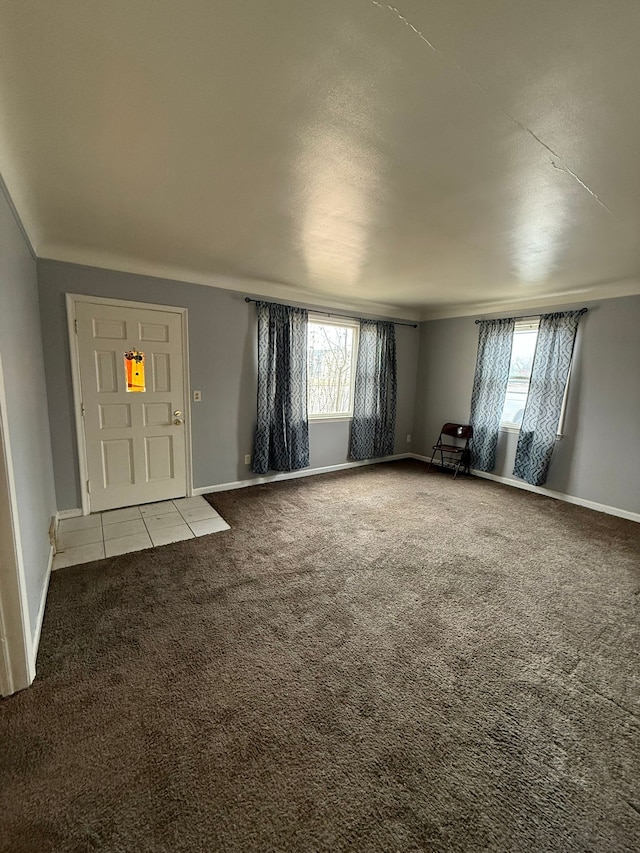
x,y
23,367
222,344
598,458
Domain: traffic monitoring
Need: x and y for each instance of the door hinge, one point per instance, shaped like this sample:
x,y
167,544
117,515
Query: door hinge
x,y
75,324
88,487
82,409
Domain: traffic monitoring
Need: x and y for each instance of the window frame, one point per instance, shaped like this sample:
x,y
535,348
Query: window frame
x,y
527,324
341,322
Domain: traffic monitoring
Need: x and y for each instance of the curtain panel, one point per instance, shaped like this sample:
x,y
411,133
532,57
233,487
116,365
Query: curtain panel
x,y
549,374
374,405
489,389
282,431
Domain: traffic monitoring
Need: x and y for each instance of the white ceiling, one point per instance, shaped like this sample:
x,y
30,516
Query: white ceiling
x,y
427,160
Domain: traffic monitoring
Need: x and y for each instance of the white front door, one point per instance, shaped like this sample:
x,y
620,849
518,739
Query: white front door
x,y
133,402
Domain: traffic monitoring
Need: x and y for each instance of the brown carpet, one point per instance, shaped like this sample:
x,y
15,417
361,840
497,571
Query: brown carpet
x,y
373,660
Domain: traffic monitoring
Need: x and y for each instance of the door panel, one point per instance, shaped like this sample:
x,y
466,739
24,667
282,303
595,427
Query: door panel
x,y
159,452
106,372
115,415
161,371
117,461
153,332
156,414
135,449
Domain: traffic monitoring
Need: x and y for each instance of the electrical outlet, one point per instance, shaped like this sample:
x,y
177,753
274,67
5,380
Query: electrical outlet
x,y
197,396
408,438
247,459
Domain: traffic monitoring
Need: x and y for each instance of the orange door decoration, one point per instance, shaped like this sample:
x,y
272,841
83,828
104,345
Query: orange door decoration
x,y
134,366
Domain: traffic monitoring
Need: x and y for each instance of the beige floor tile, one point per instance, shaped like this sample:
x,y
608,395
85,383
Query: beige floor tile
x,y
171,534
74,538
127,544
199,513
80,522
81,554
157,509
114,516
159,522
190,503
124,528
209,525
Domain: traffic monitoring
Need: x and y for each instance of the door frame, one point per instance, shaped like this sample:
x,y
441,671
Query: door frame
x,y
72,299
17,664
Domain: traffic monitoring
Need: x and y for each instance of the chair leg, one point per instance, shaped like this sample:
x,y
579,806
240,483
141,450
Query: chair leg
x,y
455,474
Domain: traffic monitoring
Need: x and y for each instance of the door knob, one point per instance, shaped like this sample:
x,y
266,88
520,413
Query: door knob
x,y
177,421
177,413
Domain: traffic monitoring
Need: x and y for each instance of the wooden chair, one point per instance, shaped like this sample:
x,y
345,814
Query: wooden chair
x,y
454,455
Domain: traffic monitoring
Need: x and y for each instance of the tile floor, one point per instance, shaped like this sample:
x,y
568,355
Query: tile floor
x,y
119,531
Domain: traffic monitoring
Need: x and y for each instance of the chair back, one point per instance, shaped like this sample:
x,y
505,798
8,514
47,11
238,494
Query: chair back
x,y
462,431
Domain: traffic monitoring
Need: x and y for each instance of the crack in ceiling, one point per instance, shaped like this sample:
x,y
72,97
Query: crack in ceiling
x,y
556,160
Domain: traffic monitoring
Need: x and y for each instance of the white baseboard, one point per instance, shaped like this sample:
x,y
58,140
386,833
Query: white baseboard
x,y
310,472
294,475
561,496
549,493
68,513
35,642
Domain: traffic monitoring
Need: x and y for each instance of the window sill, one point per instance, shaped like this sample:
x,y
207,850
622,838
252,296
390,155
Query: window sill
x,y
329,419
516,429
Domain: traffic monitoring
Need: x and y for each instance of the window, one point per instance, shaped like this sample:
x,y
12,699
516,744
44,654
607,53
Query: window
x,y
522,351
332,348
525,337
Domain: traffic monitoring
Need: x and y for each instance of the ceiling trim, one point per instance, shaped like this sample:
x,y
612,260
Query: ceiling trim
x,y
608,290
247,286
278,291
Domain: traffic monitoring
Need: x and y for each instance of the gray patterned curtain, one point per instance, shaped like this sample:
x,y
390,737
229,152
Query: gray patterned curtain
x,y
282,432
374,404
551,363
489,389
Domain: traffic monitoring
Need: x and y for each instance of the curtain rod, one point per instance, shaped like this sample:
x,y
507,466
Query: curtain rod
x,y
537,316
346,316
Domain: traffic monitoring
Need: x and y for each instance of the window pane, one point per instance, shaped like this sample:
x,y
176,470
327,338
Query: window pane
x,y
329,366
524,347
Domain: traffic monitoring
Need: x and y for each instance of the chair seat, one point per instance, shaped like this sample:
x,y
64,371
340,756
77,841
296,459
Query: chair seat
x,y
449,448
